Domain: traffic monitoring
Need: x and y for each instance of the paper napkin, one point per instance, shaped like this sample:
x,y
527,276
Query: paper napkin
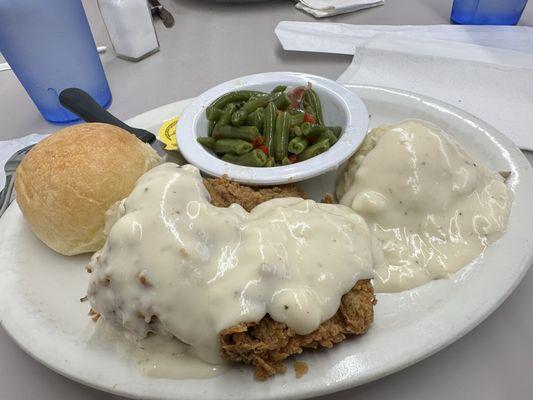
x,y
484,70
495,85
329,8
328,37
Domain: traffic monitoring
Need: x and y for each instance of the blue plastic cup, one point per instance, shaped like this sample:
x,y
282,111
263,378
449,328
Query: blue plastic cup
x,y
487,12
49,46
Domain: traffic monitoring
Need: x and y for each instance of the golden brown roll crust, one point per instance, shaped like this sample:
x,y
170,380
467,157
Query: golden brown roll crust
x,y
67,182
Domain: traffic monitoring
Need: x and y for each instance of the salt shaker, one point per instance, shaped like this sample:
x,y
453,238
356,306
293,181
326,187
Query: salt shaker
x,y
130,28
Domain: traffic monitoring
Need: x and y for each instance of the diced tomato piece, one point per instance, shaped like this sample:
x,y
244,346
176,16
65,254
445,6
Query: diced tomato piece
x,y
293,158
309,118
258,141
264,149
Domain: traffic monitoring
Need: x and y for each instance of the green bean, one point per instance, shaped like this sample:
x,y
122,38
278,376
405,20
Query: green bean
x,y
330,136
315,131
306,104
337,130
296,130
306,127
282,102
254,158
281,136
248,133
206,141
225,118
314,150
297,116
297,145
295,111
279,88
210,127
239,117
312,99
234,146
256,118
250,118
296,119
213,114
270,162
269,126
231,97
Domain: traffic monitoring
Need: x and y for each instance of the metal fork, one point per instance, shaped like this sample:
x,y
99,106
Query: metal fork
x,y
7,195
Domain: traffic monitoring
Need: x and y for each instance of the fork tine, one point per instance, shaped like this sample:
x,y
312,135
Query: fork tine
x,y
7,193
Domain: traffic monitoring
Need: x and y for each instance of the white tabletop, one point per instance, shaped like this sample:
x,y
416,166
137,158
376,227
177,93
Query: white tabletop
x,y
213,42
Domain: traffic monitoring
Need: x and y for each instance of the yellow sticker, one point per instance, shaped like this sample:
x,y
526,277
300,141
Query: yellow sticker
x,y
167,133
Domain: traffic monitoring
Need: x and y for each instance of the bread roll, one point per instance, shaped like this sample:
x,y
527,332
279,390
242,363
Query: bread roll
x,y
67,182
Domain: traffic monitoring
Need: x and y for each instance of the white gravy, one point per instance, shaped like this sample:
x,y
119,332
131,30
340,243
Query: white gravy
x,y
432,206
199,269
157,356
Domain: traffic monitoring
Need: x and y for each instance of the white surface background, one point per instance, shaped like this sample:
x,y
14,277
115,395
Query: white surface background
x,y
211,43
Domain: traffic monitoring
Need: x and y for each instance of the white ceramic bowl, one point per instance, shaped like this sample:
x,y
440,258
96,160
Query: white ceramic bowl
x,y
340,106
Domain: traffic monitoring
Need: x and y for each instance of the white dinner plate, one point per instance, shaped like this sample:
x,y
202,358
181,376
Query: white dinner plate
x,y
40,290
